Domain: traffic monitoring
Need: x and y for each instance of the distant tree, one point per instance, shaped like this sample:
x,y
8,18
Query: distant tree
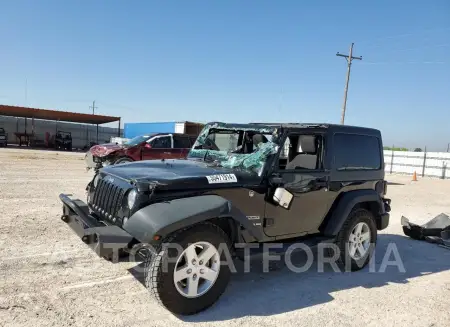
x,y
418,150
395,148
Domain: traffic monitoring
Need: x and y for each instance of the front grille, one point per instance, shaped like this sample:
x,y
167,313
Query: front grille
x,y
107,199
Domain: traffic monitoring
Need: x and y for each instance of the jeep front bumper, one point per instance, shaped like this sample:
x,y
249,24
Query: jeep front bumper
x,y
105,240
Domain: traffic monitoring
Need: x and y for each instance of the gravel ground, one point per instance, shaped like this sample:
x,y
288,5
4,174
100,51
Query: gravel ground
x,y
50,278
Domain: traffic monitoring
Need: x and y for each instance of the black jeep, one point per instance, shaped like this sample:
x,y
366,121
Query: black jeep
x,y
241,185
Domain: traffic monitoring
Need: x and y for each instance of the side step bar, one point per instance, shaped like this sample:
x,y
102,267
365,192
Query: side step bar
x,y
257,249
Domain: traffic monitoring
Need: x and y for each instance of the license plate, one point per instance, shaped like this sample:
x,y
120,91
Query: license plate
x,y
221,178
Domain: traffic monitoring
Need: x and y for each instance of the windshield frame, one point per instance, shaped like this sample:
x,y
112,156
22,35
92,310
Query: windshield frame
x,y
232,160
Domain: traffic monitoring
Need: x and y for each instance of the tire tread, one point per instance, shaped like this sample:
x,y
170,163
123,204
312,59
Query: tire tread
x,y
355,215
153,263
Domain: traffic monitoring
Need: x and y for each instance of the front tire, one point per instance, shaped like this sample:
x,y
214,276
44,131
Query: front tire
x,y
190,280
122,161
357,240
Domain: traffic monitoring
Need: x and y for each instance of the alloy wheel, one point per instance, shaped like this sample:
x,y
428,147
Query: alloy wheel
x,y
197,269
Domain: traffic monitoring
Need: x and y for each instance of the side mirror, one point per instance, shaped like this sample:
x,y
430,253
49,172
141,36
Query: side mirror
x,y
283,197
147,146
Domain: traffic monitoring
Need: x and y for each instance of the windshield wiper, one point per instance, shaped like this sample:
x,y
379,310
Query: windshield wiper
x,y
206,154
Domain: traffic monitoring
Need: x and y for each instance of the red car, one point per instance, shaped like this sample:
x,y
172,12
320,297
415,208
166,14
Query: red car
x,y
145,147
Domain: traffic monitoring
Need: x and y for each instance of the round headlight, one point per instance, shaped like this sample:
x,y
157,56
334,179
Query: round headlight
x,y
96,179
131,199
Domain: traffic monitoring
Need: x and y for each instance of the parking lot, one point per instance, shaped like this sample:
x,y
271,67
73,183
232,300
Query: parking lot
x,y
49,278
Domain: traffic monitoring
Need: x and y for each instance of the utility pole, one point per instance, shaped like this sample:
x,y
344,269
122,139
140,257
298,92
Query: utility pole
x,y
93,112
26,101
93,107
26,92
349,59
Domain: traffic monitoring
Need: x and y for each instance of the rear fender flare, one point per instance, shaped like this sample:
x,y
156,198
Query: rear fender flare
x,y
345,205
164,218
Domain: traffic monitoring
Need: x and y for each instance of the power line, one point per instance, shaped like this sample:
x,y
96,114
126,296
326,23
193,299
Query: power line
x,y
425,46
120,106
349,59
396,36
404,62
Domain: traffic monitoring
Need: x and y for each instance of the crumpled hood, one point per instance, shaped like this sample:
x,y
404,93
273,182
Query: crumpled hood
x,y
179,173
103,150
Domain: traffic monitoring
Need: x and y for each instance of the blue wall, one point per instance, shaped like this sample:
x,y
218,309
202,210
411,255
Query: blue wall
x,y
131,130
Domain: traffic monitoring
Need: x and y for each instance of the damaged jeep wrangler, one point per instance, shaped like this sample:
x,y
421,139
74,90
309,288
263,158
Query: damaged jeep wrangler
x,y
241,185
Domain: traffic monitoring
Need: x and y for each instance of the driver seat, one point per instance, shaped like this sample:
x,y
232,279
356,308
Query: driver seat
x,y
259,138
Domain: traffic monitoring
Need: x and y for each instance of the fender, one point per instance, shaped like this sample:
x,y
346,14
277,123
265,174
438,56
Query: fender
x,y
345,206
166,217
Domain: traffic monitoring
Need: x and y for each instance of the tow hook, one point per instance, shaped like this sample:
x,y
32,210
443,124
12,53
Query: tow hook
x,y
89,239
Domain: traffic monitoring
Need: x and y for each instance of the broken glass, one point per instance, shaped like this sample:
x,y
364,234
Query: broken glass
x,y
224,157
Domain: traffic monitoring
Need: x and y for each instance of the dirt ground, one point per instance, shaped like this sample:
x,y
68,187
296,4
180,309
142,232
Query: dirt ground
x,y
49,278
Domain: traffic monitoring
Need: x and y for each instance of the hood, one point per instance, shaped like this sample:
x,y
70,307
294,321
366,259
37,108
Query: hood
x,y
180,174
103,150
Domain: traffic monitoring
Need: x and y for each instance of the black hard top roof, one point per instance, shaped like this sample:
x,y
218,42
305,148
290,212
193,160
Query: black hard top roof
x,y
163,133
333,127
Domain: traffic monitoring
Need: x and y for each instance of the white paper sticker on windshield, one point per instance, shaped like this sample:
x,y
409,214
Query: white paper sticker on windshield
x,y
222,178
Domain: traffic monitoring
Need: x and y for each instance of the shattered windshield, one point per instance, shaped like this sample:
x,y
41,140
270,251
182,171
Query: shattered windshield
x,y
234,146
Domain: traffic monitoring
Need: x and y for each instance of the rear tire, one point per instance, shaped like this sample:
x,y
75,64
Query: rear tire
x,y
356,240
176,296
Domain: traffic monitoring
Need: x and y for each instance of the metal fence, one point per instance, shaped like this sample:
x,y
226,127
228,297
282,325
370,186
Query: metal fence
x,y
431,164
82,134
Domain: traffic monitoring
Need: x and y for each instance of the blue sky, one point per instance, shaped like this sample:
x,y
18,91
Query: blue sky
x,y
235,61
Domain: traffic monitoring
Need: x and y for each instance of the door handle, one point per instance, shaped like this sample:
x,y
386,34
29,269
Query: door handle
x,y
166,152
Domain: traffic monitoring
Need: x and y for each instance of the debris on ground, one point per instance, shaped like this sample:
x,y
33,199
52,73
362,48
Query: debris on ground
x,y
437,230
